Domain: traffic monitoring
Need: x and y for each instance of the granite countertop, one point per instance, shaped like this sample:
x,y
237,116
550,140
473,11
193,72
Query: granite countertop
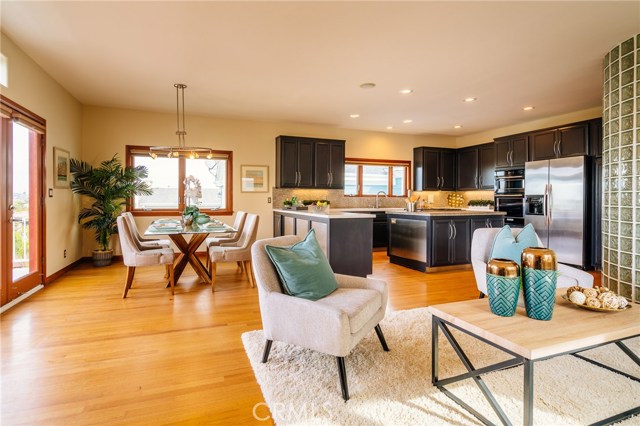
x,y
330,214
451,212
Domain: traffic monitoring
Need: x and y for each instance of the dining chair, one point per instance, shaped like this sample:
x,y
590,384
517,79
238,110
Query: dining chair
x,y
145,243
231,237
240,251
133,256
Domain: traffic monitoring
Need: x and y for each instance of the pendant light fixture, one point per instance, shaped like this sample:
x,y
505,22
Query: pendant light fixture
x,y
181,150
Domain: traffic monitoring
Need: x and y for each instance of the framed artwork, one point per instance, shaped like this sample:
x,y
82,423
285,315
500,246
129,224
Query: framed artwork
x,y
254,178
61,176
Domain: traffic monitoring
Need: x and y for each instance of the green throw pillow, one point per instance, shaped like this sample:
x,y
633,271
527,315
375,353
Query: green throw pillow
x,y
303,269
508,246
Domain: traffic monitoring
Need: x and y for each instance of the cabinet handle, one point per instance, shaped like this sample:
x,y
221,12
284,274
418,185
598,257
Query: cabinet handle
x,y
442,182
331,178
479,181
558,142
437,181
510,158
299,178
450,231
455,230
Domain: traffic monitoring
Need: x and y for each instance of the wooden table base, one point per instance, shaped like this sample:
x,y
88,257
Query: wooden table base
x,y
188,255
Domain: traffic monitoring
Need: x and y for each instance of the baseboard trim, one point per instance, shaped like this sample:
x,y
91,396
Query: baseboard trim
x,y
20,298
51,278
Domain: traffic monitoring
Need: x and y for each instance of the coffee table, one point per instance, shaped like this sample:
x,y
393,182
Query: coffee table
x,y
571,330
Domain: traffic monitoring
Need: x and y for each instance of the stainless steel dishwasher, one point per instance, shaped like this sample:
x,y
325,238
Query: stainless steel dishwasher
x,y
408,239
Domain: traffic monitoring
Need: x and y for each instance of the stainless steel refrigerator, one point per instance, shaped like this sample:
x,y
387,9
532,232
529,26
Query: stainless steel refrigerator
x,y
556,204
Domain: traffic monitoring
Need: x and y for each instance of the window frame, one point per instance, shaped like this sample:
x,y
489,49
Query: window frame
x,y
360,162
142,150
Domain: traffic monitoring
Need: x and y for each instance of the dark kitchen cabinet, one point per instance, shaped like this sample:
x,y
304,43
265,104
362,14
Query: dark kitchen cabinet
x,y
486,222
467,166
434,169
595,137
450,244
309,162
511,151
560,142
475,167
329,164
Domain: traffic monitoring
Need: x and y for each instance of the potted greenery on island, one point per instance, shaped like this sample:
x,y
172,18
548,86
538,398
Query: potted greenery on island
x,y
110,186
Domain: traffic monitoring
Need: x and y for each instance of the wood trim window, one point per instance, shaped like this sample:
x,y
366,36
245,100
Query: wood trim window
x,y
167,177
366,177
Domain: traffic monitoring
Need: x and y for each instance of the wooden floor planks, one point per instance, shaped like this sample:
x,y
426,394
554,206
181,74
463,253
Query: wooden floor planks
x,y
76,353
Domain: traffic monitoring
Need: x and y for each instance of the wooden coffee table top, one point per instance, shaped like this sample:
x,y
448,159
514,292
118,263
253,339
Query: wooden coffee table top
x,y
571,328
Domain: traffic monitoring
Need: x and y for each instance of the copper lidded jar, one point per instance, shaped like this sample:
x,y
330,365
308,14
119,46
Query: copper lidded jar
x,y
503,286
539,277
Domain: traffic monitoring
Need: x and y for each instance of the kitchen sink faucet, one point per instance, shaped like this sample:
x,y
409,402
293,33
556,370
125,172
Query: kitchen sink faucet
x,y
378,200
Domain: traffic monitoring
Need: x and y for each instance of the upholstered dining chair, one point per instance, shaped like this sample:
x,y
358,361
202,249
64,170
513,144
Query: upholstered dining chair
x,y
239,252
133,256
332,325
481,244
145,243
229,238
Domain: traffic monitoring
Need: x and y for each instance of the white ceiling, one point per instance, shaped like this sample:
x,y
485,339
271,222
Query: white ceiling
x,y
304,61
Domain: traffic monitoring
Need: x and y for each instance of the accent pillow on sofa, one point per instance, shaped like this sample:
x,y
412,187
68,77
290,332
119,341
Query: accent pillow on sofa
x,y
508,246
303,268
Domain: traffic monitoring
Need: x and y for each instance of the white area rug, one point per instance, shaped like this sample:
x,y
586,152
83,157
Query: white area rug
x,y
301,387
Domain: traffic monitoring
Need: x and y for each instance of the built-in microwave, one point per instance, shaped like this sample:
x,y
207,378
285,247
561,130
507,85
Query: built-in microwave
x,y
509,182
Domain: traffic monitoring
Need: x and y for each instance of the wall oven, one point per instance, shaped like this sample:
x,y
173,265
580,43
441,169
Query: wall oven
x,y
509,182
513,206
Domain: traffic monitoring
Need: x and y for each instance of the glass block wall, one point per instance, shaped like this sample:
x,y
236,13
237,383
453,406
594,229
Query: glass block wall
x,y
621,170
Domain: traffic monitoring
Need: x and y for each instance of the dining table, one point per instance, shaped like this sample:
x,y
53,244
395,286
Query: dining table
x,y
176,230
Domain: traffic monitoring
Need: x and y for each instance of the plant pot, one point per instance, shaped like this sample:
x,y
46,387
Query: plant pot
x,y
102,258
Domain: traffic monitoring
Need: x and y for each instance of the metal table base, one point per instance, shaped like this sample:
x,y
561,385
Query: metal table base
x,y
475,373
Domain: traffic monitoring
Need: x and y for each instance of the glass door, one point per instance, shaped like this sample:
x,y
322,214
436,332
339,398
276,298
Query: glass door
x,y
22,230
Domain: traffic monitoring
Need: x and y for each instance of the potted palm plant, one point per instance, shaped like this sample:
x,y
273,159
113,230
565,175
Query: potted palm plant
x,y
110,186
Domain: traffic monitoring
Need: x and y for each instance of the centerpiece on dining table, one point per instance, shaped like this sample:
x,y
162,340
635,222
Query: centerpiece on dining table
x,y
192,195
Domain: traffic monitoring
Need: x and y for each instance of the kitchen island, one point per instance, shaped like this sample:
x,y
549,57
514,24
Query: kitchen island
x,y
346,238
435,238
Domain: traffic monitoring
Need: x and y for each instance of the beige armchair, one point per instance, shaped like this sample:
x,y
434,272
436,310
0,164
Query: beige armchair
x,y
133,256
144,243
239,251
481,244
332,325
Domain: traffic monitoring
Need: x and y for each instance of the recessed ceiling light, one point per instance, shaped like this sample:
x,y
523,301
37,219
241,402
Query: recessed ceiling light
x,y
406,91
354,115
367,85
529,108
389,127
457,126
407,121
470,99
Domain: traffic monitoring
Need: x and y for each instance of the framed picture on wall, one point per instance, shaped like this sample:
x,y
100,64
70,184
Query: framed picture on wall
x,y
254,178
61,177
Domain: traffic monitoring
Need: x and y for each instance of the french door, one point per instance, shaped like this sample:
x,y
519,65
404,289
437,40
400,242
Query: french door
x,y
21,206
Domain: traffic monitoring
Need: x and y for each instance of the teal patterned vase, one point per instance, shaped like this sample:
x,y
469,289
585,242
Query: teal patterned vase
x,y
539,277
503,286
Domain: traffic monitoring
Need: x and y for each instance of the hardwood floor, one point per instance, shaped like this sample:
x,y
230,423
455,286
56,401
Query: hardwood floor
x,y
76,353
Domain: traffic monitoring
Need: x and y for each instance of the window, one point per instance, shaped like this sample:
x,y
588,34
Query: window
x,y
365,177
167,176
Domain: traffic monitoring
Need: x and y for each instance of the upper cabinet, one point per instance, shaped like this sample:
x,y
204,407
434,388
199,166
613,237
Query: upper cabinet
x,y
476,166
560,142
309,162
434,169
511,151
329,164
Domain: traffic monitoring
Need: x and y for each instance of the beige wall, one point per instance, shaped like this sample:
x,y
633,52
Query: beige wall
x,y
31,87
542,123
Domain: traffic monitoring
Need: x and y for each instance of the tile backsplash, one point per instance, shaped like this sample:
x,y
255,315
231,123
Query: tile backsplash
x,y
339,200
